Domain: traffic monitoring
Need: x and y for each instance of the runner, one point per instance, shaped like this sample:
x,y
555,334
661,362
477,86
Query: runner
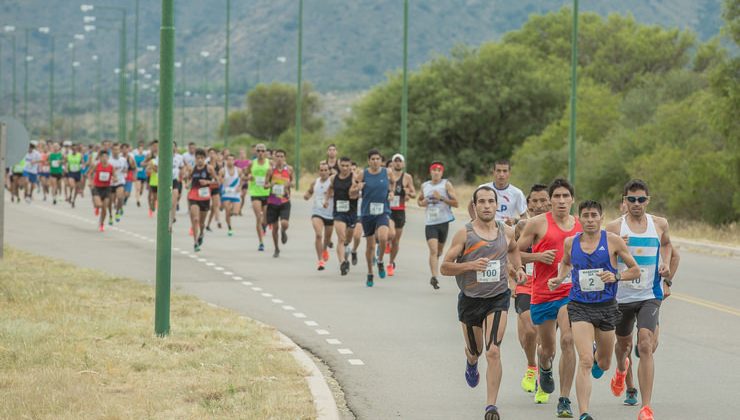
x,y
548,308
130,172
479,258
31,170
17,180
438,197
189,156
43,178
344,191
140,155
404,190
512,203
216,161
322,214
74,173
648,239
120,168
280,180
232,180
242,164
101,176
357,234
331,159
151,163
257,174
538,202
56,171
591,257
178,165
377,188
199,198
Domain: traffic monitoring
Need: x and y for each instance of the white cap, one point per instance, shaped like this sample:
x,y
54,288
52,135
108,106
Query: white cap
x,y
398,156
67,143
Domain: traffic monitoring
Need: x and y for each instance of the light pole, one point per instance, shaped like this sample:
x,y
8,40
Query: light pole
x,y
405,92
226,78
26,60
135,101
45,30
573,86
179,65
206,96
99,96
9,29
75,64
299,99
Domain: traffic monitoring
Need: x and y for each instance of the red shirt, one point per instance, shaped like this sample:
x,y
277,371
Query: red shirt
x,y
554,239
103,175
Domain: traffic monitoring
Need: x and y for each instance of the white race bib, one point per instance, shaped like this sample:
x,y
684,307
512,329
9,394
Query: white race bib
x,y
590,280
396,202
103,176
204,192
342,206
433,214
259,181
318,201
376,208
640,283
278,189
55,163
230,190
491,274
529,269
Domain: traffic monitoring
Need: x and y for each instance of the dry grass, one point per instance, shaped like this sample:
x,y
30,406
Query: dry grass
x,y
77,344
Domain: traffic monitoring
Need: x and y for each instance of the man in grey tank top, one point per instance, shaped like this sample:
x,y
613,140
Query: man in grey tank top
x,y
486,263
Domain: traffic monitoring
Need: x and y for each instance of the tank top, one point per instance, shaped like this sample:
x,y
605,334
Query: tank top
x,y
399,194
493,281
280,185
553,239
215,187
231,187
342,202
154,176
199,192
103,175
437,211
120,166
18,168
587,286
44,164
645,248
375,194
259,175
139,160
55,163
74,162
319,193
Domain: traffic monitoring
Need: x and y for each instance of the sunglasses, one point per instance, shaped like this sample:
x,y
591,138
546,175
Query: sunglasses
x,y
261,151
632,199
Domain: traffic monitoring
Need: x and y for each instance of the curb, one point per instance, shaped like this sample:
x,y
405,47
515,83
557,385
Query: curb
x,y
724,249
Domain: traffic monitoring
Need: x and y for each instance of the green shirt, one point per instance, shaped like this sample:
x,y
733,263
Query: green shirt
x,y
74,162
55,163
259,175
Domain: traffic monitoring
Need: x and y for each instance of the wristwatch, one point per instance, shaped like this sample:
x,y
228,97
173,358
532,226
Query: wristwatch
x,y
667,282
618,276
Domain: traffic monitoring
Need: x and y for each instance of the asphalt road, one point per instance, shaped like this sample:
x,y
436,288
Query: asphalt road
x,y
397,349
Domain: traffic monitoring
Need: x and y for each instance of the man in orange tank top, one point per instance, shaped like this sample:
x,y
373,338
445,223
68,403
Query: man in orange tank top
x,y
546,235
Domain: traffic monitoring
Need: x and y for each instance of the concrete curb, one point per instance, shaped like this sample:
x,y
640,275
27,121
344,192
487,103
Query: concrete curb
x,y
323,398
723,249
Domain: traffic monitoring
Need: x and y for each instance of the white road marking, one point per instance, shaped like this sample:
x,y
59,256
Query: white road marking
x,y
228,273
299,315
333,341
267,294
288,308
322,332
202,260
210,264
247,283
277,301
356,362
312,323
345,351
237,278
218,268
257,289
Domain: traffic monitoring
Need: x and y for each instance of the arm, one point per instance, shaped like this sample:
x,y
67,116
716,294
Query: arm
x,y
408,186
514,257
666,248
421,200
330,190
620,250
452,201
309,193
391,184
530,234
450,266
564,267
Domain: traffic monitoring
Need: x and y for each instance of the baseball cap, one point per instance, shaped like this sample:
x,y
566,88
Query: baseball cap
x,y
398,156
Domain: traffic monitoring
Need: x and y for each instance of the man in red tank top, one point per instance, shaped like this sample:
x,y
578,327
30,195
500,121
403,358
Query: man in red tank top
x,y
101,177
546,235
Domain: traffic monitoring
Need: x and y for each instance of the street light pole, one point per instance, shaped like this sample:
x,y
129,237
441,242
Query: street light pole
x,y
573,86
51,89
74,94
226,81
27,58
10,28
405,92
135,105
99,94
182,103
299,100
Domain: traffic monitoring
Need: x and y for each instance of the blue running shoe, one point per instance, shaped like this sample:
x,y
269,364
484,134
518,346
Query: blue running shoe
x,y
492,413
547,382
381,270
564,410
585,416
472,377
369,282
596,371
261,247
631,397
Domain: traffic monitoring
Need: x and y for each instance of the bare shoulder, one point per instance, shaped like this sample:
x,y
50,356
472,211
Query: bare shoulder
x,y
660,222
614,225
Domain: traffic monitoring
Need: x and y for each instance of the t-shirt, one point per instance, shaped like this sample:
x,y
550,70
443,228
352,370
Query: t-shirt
x,y
55,163
178,161
32,162
189,159
512,202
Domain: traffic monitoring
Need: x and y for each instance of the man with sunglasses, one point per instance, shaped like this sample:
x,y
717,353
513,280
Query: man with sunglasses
x,y
404,190
257,171
649,242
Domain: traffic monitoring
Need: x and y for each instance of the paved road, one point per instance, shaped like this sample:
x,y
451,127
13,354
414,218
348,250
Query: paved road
x,y
397,348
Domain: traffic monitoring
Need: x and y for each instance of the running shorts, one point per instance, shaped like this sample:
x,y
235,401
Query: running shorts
x,y
646,312
277,212
327,222
472,311
602,315
521,303
438,232
371,223
399,218
542,312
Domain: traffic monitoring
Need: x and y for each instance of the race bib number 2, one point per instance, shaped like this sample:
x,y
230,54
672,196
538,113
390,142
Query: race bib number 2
x,y
491,274
590,281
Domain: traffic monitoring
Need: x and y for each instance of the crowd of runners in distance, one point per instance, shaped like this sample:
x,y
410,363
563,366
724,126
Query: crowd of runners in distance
x,y
564,272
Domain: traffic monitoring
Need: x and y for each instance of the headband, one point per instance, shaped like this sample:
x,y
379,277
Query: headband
x,y
437,166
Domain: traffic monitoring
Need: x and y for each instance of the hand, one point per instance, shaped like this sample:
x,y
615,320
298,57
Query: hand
x,y
436,195
509,221
607,276
664,270
666,291
553,283
326,204
306,196
480,264
547,257
626,239
521,277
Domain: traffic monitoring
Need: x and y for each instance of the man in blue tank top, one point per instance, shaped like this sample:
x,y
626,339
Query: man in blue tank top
x,y
377,191
591,258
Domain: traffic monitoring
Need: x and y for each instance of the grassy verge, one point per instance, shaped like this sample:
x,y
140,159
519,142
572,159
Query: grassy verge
x,y
76,343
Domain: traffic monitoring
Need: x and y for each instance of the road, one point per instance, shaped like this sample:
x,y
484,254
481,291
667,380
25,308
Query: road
x,y
397,349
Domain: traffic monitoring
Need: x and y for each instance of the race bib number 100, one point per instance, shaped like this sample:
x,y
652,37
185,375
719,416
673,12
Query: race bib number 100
x,y
491,274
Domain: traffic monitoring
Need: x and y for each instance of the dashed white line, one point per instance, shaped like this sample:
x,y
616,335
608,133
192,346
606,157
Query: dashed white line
x,y
228,273
345,351
267,295
322,332
210,264
257,289
247,283
299,315
218,268
312,323
288,308
356,362
277,301
333,341
202,260
184,252
237,278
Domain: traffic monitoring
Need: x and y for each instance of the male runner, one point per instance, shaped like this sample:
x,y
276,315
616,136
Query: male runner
x,y
242,163
437,197
178,165
140,155
479,258
357,234
199,198
101,176
331,159
130,172
344,191
649,242
120,168
189,156
215,159
31,170
230,189
74,173
377,187
280,179
56,170
591,257
43,174
322,214
152,166
512,203
258,190
548,308
404,190
538,202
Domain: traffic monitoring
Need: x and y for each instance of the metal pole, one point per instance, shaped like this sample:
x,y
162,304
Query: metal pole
x,y
135,105
99,94
226,83
573,85
182,106
205,113
15,93
164,194
73,107
51,89
3,141
405,92
25,84
299,100
122,134
1,71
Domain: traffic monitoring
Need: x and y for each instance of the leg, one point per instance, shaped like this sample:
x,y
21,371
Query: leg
x,y
370,252
568,354
433,245
318,227
646,366
382,234
327,236
495,325
228,208
583,335
546,333
195,221
395,243
258,217
527,337
341,229
173,208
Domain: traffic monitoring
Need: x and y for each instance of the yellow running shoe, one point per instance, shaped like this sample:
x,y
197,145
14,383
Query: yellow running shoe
x,y
541,397
529,381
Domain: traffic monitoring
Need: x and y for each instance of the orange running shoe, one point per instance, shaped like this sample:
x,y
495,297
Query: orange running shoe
x,y
646,413
617,382
322,265
101,228
325,255
391,269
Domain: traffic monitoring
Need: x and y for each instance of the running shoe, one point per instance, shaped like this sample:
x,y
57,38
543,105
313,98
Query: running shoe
x,y
472,376
564,411
596,371
369,281
218,224
261,247
196,247
381,269
617,383
331,244
276,254
101,228
54,201
547,383
585,416
354,258
344,268
138,203
322,265
541,397
231,232
492,413
325,255
200,239
110,221
118,217
529,381
434,282
283,237
646,413
391,269
631,397
208,228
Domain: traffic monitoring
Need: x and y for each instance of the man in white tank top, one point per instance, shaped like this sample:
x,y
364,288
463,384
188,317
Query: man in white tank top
x,y
322,214
512,205
648,239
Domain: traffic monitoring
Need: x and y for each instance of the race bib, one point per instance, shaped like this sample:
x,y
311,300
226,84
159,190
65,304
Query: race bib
x,y
642,282
259,181
342,206
318,201
491,274
376,208
278,190
74,167
204,192
103,176
529,269
590,280
230,190
55,163
396,202
433,214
